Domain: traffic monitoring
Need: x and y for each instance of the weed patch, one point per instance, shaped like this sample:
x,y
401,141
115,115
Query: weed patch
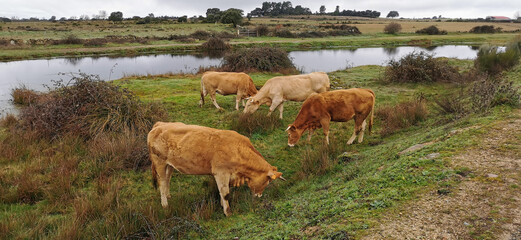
x,y
420,67
255,123
402,115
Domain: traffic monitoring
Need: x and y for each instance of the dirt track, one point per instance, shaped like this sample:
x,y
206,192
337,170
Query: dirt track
x,y
486,204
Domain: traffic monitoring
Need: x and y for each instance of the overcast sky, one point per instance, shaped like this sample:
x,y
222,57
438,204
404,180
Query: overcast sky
x,y
406,8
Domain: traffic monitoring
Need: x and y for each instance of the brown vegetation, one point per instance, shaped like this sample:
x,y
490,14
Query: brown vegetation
x,y
420,67
402,115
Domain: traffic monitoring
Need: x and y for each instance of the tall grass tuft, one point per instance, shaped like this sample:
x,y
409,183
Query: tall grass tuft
x,y
318,160
88,107
255,123
420,67
402,115
24,96
264,59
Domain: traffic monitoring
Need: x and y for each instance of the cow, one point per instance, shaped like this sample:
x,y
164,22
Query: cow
x,y
196,150
226,83
338,106
277,90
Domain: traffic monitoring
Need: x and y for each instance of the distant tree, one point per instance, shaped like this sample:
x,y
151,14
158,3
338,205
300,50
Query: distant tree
x,y
322,9
337,11
257,12
116,16
517,15
392,28
233,16
213,15
63,19
182,19
52,19
73,18
393,14
84,17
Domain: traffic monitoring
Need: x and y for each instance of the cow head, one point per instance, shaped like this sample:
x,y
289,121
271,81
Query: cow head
x,y
258,183
294,135
251,106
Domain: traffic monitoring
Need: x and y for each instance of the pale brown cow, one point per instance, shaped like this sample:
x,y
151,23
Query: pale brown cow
x,y
277,90
190,149
338,106
226,83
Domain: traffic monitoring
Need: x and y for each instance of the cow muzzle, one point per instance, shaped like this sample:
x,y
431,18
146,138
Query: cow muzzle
x,y
258,194
291,145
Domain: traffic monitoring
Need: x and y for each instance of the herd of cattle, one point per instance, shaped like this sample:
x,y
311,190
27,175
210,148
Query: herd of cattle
x,y
229,156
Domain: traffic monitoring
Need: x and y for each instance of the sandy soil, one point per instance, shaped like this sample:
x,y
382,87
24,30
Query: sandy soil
x,y
486,204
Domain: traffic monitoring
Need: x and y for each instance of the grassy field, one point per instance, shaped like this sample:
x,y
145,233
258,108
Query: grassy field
x,y
154,38
71,194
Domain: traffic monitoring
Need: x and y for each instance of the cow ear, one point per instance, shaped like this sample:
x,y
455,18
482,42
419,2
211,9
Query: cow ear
x,y
290,127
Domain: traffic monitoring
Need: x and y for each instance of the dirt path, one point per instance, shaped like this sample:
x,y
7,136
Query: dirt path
x,y
486,204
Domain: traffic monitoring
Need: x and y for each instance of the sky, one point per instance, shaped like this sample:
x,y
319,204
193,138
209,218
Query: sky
x,y
130,8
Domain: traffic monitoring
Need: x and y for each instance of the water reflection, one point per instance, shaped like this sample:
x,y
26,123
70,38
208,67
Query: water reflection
x,y
390,50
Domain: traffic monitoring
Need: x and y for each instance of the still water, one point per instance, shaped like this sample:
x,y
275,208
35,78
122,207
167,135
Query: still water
x,y
35,74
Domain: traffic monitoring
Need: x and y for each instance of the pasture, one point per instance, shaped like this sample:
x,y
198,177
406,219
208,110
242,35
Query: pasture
x,y
67,189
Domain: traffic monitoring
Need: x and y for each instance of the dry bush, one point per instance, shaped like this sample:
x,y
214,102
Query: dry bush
x,y
71,39
284,33
420,67
431,30
23,96
255,123
264,59
262,30
201,35
88,107
401,115
95,42
215,43
392,28
490,92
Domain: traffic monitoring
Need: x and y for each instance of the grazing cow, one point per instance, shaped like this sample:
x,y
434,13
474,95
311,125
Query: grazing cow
x,y
287,88
226,83
190,149
338,106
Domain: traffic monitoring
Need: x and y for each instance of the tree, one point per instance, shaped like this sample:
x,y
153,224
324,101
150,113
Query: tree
x,y
52,19
337,11
393,14
213,15
233,16
322,9
116,16
182,19
517,15
102,14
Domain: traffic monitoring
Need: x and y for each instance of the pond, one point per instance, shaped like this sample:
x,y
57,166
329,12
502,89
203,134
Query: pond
x,y
34,74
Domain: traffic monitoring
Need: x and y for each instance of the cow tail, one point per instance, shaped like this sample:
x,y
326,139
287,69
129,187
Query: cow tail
x,y
202,93
154,176
372,114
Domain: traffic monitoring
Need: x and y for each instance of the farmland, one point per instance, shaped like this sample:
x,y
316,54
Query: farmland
x,y
68,187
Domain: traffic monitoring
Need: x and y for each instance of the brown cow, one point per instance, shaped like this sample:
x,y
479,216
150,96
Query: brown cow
x,y
338,106
226,83
190,149
277,90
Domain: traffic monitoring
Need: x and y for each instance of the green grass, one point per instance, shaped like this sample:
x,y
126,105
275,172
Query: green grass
x,y
370,180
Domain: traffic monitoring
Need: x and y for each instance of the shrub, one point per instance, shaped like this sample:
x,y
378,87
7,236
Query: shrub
x,y
201,35
493,61
257,59
284,34
392,28
255,123
485,29
431,30
215,43
402,115
24,96
490,92
87,108
72,39
262,30
95,42
312,34
420,67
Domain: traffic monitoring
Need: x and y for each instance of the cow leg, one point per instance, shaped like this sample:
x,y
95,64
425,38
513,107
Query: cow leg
x,y
361,133
309,134
223,183
325,126
281,109
237,100
163,182
243,104
169,172
359,124
274,104
214,101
